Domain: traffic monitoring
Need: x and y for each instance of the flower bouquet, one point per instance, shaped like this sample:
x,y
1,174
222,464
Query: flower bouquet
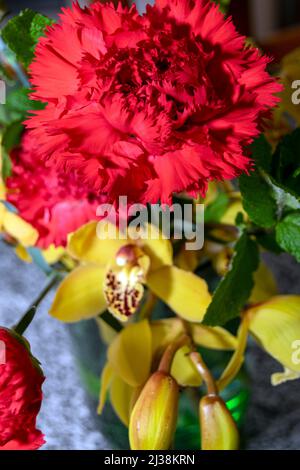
x,y
148,161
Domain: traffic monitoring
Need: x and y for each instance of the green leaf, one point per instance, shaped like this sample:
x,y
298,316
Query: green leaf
x,y
258,200
6,165
288,234
235,288
22,32
296,173
285,170
215,211
18,100
18,105
262,153
281,173
240,221
261,199
268,242
12,135
224,4
285,198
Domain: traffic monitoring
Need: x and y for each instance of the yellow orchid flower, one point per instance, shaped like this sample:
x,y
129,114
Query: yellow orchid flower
x,y
235,207
275,324
265,285
113,272
138,349
189,260
13,225
212,193
51,255
221,261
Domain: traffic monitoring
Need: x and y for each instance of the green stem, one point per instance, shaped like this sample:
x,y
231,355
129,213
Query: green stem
x,y
111,321
30,313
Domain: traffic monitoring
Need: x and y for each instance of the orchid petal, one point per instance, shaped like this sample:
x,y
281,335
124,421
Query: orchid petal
x,y
80,295
130,353
184,292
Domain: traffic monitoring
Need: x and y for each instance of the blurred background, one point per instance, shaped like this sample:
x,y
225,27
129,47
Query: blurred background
x,y
67,419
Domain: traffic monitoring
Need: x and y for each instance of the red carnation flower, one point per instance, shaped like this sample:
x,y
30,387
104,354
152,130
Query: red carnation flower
x,y
53,202
20,394
145,106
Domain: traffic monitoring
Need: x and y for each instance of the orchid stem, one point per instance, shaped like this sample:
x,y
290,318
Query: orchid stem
x,y
237,358
29,315
111,321
168,356
205,373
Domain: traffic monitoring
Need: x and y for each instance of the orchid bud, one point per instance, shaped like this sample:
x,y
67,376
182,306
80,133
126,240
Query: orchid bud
x,y
218,429
154,416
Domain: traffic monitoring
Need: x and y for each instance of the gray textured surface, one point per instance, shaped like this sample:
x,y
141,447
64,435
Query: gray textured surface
x,y
274,415
65,418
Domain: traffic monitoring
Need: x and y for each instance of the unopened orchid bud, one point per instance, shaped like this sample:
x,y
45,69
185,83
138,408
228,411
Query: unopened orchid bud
x,y
154,416
218,429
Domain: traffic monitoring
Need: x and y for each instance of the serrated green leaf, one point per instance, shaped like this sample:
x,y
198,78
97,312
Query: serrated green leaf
x,y
22,32
285,198
288,234
281,173
258,200
235,288
38,25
